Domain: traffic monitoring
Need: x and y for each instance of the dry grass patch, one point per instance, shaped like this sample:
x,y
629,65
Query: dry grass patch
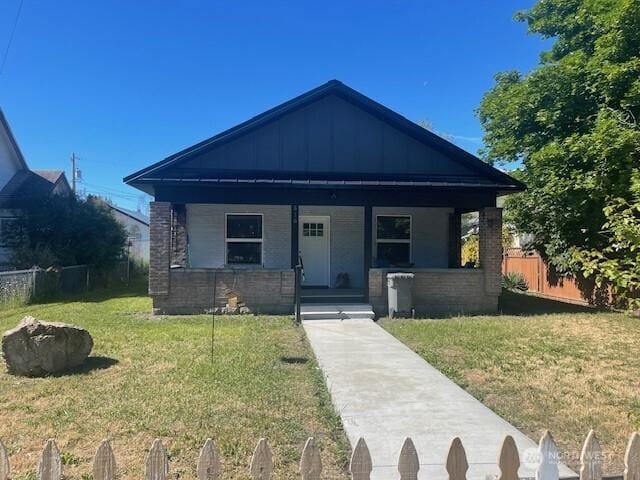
x,y
154,378
567,372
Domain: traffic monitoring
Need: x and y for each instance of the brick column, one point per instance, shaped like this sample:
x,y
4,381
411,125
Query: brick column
x,y
159,248
179,235
490,243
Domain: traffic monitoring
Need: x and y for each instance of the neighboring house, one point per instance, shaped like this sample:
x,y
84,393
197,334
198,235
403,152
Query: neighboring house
x,y
351,187
19,185
137,226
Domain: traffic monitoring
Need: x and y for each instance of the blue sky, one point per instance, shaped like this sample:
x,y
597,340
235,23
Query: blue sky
x,y
126,83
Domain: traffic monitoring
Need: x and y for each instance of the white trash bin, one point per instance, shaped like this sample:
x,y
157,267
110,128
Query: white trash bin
x,y
400,299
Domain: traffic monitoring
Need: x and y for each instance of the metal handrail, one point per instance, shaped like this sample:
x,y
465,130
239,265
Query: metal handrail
x,y
299,278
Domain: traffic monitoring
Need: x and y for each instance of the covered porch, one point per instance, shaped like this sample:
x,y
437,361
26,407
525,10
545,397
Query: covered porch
x,y
243,244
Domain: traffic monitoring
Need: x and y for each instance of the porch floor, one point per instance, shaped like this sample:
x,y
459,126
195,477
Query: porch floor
x,y
331,295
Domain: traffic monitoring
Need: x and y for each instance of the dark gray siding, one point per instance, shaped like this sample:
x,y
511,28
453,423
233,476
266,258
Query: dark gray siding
x,y
330,135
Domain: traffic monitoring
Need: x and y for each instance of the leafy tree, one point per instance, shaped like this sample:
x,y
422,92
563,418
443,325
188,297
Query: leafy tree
x,y
471,246
618,263
67,231
572,123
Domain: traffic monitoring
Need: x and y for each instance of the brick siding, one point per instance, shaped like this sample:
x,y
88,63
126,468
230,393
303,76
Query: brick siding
x,y
490,245
159,253
437,291
179,235
261,291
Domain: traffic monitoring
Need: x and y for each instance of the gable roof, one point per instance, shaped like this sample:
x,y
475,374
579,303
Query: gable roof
x,y
57,177
490,176
137,216
51,175
24,187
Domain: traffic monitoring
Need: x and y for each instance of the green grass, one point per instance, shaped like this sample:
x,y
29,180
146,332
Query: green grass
x,y
543,365
153,377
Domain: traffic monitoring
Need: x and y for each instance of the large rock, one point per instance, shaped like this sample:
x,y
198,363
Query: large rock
x,y
36,348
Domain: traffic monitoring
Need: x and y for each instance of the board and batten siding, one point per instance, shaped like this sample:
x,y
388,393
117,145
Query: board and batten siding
x,y
346,251
328,135
206,230
429,234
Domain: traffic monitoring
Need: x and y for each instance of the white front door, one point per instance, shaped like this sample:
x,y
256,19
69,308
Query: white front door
x,y
314,238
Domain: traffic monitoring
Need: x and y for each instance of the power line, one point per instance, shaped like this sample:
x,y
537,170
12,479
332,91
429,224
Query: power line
x,y
13,31
110,189
111,194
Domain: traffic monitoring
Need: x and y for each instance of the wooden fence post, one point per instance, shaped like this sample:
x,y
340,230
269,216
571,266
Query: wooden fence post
x,y
310,463
548,452
408,463
50,466
457,465
157,464
261,461
591,458
5,469
104,462
632,458
509,459
208,461
361,465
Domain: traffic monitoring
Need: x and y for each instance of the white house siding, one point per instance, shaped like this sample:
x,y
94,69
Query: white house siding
x,y
9,163
346,251
138,235
206,229
429,234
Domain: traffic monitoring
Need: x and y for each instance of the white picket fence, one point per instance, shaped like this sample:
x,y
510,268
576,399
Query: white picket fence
x,y
361,465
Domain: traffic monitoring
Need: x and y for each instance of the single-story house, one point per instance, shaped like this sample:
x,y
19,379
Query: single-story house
x,y
337,180
19,186
136,224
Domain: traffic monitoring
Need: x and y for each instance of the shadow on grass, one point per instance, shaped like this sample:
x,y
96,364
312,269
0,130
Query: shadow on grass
x,y
294,360
99,294
522,304
90,364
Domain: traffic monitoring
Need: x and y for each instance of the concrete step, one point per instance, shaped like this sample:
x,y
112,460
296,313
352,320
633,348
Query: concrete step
x,y
344,311
331,296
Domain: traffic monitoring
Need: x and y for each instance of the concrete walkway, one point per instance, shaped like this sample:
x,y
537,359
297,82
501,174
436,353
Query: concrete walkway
x,y
385,392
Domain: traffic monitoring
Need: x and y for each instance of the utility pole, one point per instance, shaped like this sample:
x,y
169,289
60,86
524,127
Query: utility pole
x,y
73,172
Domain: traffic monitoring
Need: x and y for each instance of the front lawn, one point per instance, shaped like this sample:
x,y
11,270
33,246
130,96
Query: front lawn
x,y
153,377
567,372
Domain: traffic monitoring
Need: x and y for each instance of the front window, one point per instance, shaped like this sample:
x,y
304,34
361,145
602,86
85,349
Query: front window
x,y
244,239
393,240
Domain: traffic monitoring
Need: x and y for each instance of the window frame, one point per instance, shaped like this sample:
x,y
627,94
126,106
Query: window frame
x,y
228,239
396,240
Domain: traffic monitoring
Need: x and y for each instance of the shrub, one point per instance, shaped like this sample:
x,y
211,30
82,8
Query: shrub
x,y
66,231
514,281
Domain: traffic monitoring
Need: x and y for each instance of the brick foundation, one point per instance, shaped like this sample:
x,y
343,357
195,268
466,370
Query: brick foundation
x,y
261,291
437,291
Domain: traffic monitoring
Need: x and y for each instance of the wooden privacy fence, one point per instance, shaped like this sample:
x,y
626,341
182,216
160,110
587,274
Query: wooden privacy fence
x,y
360,467
540,279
